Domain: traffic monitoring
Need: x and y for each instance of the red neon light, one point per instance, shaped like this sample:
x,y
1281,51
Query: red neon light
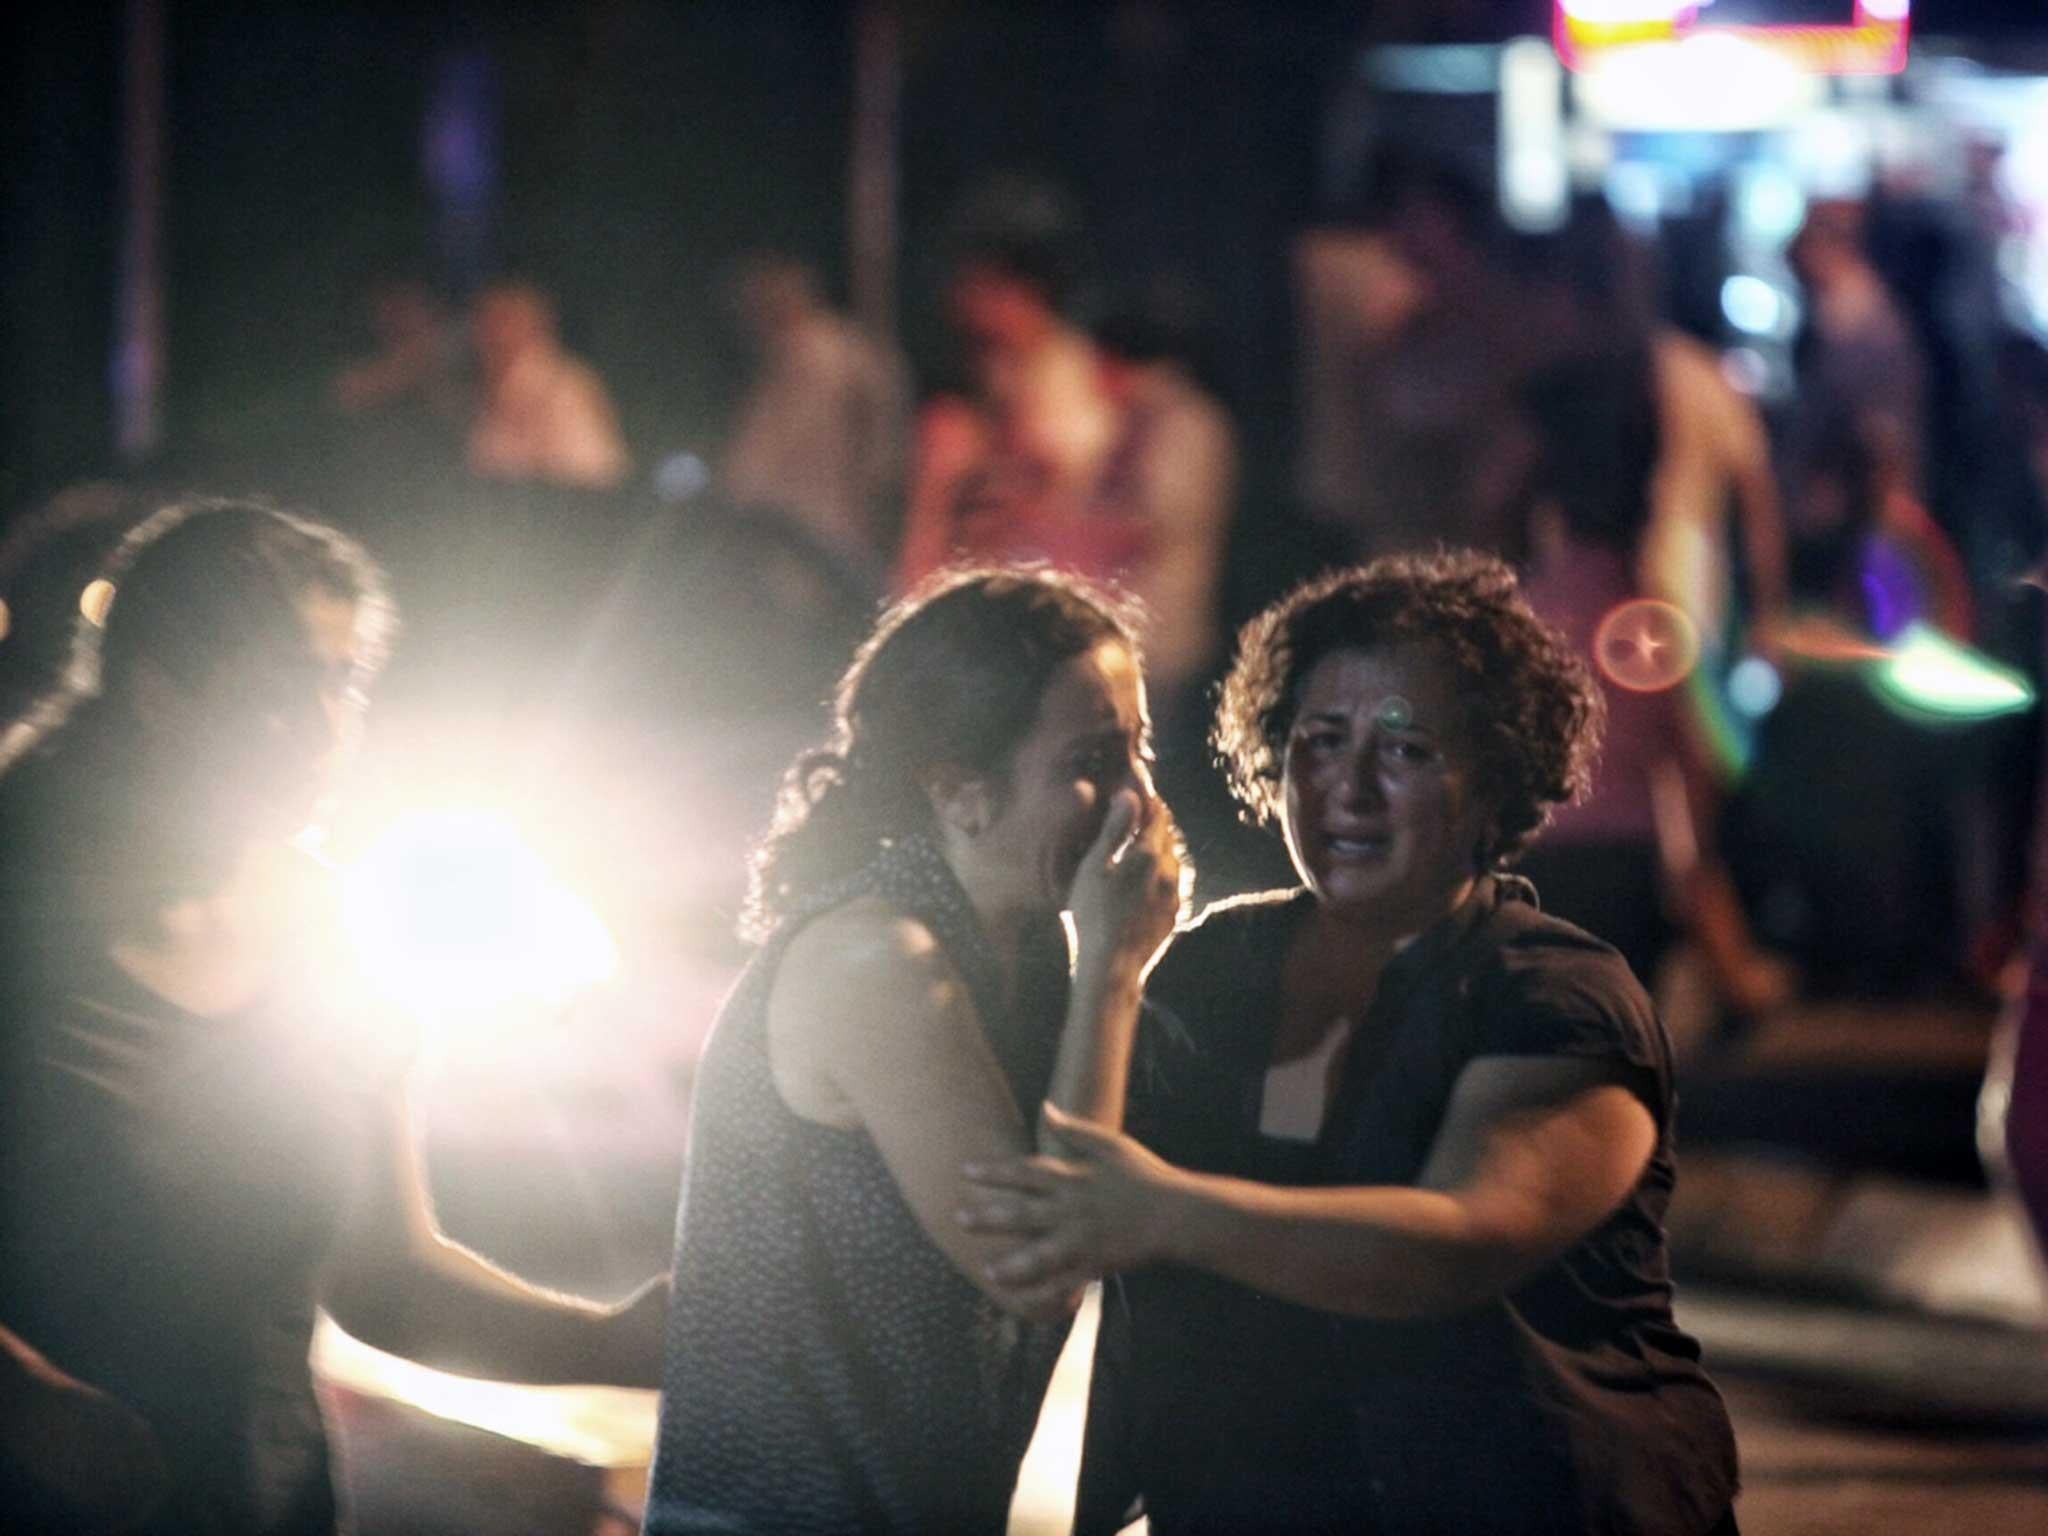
x,y
1869,45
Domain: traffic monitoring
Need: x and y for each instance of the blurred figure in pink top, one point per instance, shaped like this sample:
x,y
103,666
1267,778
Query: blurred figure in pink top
x,y
1634,861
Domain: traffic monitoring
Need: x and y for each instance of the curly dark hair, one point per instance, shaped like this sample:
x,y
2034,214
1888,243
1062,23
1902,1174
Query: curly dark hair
x,y
1533,709
953,674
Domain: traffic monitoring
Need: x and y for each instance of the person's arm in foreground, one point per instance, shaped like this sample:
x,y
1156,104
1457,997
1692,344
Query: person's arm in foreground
x,y
1533,1154
398,1284
874,1011
87,1449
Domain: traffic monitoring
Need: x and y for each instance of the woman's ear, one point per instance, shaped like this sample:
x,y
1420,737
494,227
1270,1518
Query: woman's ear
x,y
963,802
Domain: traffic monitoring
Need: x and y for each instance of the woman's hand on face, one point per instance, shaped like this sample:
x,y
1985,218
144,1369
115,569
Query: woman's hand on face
x,y
1104,1205
1126,895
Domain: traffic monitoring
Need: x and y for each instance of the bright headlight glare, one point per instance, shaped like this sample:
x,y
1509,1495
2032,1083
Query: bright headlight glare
x,y
450,911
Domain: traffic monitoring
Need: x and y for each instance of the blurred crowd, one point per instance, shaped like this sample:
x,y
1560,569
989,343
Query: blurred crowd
x,y
1762,815
1531,395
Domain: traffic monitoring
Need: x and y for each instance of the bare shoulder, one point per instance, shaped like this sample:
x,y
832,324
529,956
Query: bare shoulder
x,y
858,989
865,949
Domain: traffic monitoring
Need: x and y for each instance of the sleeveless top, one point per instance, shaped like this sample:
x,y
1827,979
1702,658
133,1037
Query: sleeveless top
x,y
1571,1406
828,1369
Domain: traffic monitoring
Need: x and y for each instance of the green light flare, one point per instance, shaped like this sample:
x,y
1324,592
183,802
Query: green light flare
x,y
1930,674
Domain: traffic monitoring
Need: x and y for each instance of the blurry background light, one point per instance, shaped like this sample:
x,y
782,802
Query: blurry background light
x,y
1619,11
1636,193
598,1426
451,913
1753,305
1769,204
1704,83
1646,646
1535,184
1754,687
1930,674
95,600
1830,151
681,477
1443,69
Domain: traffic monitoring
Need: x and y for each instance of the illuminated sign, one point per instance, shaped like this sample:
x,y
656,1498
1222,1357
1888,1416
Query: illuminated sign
x,y
1822,37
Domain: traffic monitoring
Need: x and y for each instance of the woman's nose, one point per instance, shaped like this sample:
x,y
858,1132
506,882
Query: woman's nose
x,y
1360,778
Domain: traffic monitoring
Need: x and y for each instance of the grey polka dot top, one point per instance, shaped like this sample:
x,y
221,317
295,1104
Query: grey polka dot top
x,y
828,1370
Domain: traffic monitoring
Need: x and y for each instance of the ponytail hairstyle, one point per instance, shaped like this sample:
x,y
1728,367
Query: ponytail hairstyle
x,y
952,675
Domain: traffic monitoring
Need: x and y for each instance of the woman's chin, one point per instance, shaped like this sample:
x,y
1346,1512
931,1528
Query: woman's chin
x,y
1367,898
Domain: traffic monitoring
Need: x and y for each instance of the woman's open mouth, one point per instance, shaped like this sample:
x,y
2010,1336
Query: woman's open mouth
x,y
1358,845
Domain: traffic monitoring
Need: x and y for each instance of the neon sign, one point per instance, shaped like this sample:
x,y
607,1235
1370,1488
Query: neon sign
x,y
1822,37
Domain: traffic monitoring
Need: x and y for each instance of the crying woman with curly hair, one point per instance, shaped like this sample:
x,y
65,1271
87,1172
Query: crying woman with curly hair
x,y
1386,1229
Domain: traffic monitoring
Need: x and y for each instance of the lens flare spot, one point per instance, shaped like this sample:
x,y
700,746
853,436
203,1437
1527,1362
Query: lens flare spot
x,y
1930,674
1754,687
1821,639
681,477
95,600
1646,646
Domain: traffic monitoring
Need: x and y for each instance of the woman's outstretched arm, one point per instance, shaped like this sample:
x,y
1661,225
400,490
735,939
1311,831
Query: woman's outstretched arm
x,y
398,1283
1534,1153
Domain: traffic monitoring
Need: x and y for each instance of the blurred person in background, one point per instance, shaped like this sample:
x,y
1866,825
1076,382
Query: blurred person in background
x,y
1388,1227
1638,850
1714,460
1006,469
543,414
1860,369
417,364
1853,861
200,1142
401,412
1865,554
1172,473
1591,296
1415,338
820,433
839,1358
1713,463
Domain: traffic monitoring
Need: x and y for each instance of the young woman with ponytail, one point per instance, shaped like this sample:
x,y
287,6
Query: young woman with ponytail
x,y
838,1357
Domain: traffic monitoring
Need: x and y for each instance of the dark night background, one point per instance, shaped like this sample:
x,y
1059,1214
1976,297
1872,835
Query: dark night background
x,y
639,145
